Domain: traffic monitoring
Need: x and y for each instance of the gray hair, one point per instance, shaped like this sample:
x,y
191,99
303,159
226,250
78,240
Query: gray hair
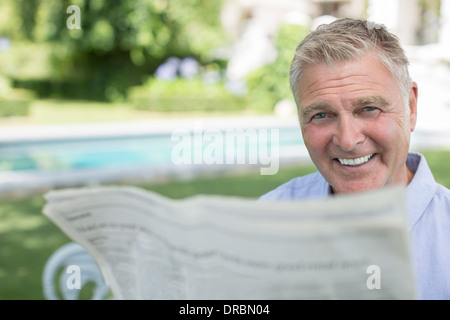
x,y
346,39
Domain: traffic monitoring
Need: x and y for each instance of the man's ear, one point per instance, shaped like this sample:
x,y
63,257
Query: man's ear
x,y
413,94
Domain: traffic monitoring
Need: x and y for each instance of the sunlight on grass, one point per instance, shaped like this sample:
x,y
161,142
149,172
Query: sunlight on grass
x,y
13,217
439,162
17,222
55,112
45,112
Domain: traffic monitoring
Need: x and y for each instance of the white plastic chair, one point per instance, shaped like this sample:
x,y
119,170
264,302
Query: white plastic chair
x,y
68,255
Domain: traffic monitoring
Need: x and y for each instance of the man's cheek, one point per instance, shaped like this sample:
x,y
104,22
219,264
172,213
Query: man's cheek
x,y
315,141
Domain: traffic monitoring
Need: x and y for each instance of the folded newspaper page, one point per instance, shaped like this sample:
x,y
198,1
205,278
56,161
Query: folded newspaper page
x,y
221,247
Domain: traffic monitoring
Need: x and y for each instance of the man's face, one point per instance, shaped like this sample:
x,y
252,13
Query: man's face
x,y
355,124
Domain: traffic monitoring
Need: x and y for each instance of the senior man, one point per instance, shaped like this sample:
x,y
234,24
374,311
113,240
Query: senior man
x,y
357,107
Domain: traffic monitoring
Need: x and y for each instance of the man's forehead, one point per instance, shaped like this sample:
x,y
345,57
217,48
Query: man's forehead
x,y
354,77
370,59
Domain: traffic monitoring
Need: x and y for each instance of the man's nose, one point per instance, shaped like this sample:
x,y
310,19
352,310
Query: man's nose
x,y
348,133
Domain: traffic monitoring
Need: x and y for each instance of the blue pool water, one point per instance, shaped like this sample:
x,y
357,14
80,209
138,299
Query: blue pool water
x,y
111,152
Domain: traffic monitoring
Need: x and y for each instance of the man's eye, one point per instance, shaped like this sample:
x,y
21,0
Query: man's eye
x,y
369,112
320,116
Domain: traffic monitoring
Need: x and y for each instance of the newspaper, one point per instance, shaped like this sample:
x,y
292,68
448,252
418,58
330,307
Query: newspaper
x,y
223,247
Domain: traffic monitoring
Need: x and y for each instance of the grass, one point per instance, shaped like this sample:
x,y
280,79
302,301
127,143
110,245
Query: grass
x,y
439,162
28,238
50,111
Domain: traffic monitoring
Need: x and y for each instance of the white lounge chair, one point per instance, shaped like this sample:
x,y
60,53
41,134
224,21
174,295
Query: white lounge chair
x,y
59,267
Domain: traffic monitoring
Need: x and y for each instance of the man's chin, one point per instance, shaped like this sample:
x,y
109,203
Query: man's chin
x,y
353,188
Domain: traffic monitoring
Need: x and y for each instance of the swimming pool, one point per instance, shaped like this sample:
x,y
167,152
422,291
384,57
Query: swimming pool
x,y
36,159
125,151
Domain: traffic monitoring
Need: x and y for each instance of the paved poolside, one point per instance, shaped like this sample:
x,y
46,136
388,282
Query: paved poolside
x,y
91,130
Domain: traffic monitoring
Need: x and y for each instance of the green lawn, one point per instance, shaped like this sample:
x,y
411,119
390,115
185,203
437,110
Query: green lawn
x,y
28,238
51,111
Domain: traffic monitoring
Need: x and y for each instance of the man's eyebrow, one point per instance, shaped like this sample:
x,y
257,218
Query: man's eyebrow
x,y
314,107
375,100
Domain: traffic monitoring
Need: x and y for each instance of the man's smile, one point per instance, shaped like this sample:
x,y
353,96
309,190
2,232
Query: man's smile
x,y
355,161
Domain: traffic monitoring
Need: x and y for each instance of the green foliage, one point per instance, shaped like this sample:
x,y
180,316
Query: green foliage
x,y
13,102
270,84
28,61
14,107
183,95
10,21
267,85
149,26
120,43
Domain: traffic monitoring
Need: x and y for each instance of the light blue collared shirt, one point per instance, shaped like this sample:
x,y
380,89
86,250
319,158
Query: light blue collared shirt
x,y
428,206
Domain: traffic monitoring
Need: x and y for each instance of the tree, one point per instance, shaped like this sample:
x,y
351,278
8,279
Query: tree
x,y
120,42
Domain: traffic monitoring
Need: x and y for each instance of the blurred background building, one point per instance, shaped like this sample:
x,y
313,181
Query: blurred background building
x,y
253,23
415,22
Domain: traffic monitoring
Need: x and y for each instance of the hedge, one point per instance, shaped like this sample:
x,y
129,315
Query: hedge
x,y
184,95
16,103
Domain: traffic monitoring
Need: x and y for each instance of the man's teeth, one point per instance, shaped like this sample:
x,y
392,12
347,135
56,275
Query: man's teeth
x,y
355,162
